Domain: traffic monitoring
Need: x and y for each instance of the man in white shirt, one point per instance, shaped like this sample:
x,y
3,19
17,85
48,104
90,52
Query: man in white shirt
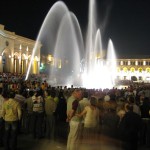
x,y
84,102
74,121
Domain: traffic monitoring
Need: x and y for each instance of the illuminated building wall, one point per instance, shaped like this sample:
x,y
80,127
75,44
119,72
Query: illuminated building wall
x,y
127,69
134,68
16,51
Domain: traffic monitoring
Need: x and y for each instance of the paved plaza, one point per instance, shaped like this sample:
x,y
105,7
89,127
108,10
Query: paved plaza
x,y
26,142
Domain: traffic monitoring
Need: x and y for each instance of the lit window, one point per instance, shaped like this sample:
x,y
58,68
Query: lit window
x,y
125,70
148,70
136,63
129,63
121,62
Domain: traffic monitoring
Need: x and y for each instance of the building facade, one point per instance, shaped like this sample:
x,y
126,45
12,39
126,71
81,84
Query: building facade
x,y
16,51
136,69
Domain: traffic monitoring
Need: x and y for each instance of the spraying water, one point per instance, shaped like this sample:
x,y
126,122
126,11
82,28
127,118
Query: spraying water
x,y
61,35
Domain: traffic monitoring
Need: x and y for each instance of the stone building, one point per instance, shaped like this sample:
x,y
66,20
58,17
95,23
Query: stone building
x,y
136,68
16,52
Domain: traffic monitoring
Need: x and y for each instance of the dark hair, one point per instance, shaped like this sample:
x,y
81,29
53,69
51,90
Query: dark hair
x,y
129,107
93,101
31,93
38,93
12,94
85,94
131,99
53,93
5,94
1,90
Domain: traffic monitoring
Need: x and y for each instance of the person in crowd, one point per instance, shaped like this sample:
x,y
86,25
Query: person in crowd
x,y
60,114
129,128
145,115
20,98
145,108
61,107
50,107
38,114
109,119
84,101
91,120
136,108
1,118
74,121
29,112
11,114
120,110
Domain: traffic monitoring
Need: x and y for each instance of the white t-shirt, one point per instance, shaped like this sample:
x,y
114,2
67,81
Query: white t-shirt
x,y
92,117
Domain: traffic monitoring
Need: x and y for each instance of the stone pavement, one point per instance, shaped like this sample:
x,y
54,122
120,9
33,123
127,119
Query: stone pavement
x,y
26,142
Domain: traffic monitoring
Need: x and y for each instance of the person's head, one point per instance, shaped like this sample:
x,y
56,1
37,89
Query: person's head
x,y
1,91
11,94
85,94
31,93
93,101
38,93
5,94
131,99
78,94
128,107
53,93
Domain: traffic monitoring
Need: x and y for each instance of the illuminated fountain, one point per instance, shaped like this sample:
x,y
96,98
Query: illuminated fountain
x,y
75,64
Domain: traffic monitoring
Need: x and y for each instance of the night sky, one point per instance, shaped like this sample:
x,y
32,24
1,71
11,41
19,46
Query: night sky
x,y
126,22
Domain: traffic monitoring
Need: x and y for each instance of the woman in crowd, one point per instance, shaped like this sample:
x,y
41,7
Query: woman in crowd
x,y
91,120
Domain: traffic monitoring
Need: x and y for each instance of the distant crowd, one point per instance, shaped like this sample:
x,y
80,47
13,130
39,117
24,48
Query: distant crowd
x,y
76,114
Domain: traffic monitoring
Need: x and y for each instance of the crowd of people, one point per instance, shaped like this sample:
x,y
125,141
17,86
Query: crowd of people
x,y
78,114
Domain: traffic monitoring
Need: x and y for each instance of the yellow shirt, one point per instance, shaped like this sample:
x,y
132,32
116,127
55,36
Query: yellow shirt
x,y
50,105
11,110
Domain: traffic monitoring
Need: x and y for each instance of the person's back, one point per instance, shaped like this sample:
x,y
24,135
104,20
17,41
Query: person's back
x,y
145,108
110,121
129,128
11,114
92,117
10,110
69,103
84,101
50,105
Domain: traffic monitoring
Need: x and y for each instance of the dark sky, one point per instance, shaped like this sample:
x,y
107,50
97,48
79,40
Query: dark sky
x,y
126,22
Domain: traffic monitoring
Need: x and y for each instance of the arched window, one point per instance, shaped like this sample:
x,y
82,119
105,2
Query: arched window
x,y
125,70
140,70
148,70
132,70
